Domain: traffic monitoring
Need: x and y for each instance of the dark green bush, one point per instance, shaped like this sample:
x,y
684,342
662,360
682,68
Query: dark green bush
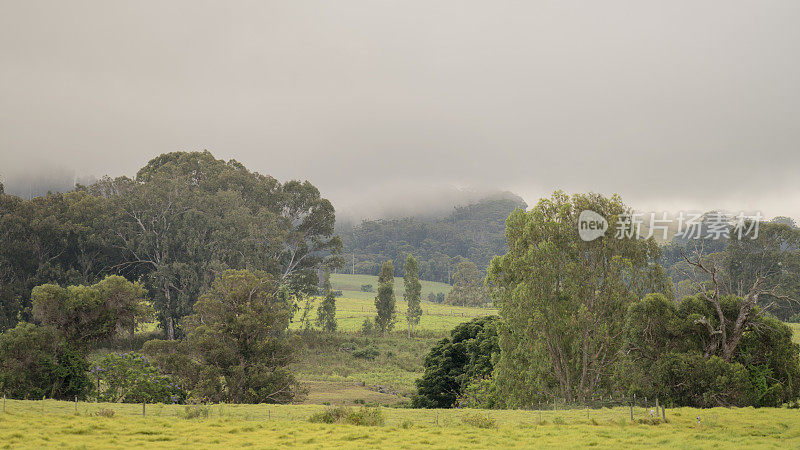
x,y
37,362
368,352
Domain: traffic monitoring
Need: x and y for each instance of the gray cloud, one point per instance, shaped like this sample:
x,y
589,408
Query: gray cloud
x,y
675,105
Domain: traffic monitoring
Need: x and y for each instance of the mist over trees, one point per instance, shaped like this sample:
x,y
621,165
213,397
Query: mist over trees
x,y
473,232
183,219
578,319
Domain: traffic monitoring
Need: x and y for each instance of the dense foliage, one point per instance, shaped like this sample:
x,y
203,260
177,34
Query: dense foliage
x,y
563,300
473,232
236,347
773,255
37,362
468,287
667,356
185,217
456,362
131,378
84,314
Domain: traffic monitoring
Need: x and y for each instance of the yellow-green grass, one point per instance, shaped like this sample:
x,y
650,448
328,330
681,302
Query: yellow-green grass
x,y
327,366
36,424
351,312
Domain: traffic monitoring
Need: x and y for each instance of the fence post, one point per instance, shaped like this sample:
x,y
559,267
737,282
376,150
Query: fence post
x,y
76,404
663,413
633,400
4,403
143,405
540,410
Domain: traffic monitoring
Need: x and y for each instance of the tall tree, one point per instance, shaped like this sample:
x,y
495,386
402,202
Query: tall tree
x,y
563,300
413,292
385,300
188,216
763,271
468,288
326,312
237,347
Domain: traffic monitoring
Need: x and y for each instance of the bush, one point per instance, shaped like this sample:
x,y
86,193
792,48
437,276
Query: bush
x,y
368,327
480,393
366,288
104,412
130,378
195,412
36,362
479,421
456,361
364,416
369,352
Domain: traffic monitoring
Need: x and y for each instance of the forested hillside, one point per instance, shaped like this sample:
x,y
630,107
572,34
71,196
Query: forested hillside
x,y
473,232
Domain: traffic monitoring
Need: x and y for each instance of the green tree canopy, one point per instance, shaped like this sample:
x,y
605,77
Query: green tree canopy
x,y
84,314
457,361
667,356
236,348
468,288
563,300
37,362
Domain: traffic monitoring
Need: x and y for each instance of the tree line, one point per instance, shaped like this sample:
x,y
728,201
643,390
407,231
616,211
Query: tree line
x,y
220,256
470,233
581,319
184,218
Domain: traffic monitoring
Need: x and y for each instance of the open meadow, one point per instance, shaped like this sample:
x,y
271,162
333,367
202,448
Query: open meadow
x,y
33,424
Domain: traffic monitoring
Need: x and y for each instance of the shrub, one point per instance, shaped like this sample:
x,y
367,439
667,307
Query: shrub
x,y
366,288
369,352
130,378
364,416
36,362
368,327
479,421
195,411
456,361
104,412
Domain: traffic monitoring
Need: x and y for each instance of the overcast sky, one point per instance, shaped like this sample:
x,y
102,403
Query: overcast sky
x,y
673,104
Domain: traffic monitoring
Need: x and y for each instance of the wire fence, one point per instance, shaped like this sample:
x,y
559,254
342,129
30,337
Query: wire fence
x,y
555,411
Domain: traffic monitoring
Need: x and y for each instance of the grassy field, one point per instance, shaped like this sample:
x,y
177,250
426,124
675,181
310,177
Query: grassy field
x,y
354,306
350,285
36,424
328,367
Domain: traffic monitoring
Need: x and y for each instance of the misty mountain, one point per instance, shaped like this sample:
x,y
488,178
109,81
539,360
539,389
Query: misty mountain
x,y
474,232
